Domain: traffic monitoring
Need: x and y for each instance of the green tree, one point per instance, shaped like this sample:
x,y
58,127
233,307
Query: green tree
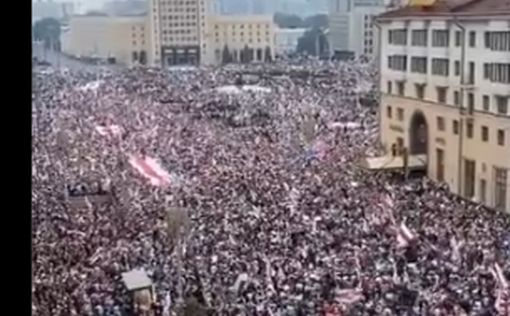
x,y
48,31
287,20
245,55
314,42
268,57
226,56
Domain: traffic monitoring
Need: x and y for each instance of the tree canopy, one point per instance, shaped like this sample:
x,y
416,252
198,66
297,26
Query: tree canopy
x,y
314,42
47,30
294,21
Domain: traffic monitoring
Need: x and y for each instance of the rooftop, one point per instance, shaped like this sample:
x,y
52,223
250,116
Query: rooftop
x,y
452,8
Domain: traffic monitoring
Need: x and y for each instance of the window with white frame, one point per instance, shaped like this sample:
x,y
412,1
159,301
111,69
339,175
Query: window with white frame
x,y
502,104
419,38
497,72
498,41
440,66
397,37
419,65
397,62
440,38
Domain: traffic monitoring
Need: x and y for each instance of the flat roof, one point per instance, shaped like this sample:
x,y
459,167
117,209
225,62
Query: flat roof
x,y
450,8
136,279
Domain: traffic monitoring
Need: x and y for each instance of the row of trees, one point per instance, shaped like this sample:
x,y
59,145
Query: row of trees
x,y
246,55
47,30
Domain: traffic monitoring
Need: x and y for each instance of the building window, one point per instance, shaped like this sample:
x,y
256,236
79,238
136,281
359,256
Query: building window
x,y
483,191
502,103
440,123
469,178
401,88
500,185
400,114
397,62
498,41
420,91
501,137
440,66
397,37
486,103
485,133
440,38
419,38
441,94
440,165
472,39
388,111
455,127
471,102
419,65
458,38
469,130
497,72
389,87
457,68
456,97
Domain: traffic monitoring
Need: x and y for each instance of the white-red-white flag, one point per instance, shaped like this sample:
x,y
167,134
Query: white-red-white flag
x,y
502,304
348,297
331,310
498,274
456,245
149,168
404,236
109,130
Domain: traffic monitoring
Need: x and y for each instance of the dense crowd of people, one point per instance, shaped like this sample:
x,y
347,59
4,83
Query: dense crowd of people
x,y
282,221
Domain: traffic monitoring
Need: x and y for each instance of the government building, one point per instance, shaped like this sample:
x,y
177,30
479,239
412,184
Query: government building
x,y
445,84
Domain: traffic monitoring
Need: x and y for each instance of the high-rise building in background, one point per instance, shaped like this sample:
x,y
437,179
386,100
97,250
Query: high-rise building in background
x,y
351,28
445,94
178,31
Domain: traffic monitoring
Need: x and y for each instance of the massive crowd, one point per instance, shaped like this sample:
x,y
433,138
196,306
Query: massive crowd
x,y
281,219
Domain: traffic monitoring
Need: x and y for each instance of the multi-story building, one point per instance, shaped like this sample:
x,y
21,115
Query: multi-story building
x,y
286,40
244,37
178,30
123,38
351,27
445,83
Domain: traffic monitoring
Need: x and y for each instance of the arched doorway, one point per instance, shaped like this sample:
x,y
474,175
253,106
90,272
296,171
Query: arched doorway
x,y
418,134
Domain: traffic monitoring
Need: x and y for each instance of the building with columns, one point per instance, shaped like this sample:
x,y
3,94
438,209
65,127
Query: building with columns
x,y
178,30
445,84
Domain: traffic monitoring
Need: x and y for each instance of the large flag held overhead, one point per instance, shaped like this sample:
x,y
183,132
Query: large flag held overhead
x,y
502,304
404,236
149,168
348,296
109,130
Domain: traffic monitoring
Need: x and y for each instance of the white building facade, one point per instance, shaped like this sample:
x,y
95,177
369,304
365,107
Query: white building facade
x,y
178,30
445,84
352,31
